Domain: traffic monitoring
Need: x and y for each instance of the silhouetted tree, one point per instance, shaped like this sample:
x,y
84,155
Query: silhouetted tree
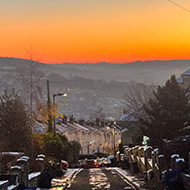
x,y
168,113
73,153
56,147
15,124
53,146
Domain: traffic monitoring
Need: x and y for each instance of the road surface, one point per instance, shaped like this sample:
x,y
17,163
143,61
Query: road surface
x,y
98,179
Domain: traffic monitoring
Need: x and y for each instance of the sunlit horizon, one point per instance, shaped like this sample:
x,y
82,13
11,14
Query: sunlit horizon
x,y
41,61
84,31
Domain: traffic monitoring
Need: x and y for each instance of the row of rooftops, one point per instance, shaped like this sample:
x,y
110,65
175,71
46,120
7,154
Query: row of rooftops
x,y
85,128
72,127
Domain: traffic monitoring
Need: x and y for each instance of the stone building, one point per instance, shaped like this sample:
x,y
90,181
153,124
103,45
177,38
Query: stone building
x,y
131,133
91,139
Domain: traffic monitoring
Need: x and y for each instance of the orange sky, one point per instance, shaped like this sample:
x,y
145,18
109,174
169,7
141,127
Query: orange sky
x,y
77,31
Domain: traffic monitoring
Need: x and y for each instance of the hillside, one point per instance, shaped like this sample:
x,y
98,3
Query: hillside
x,y
89,85
147,72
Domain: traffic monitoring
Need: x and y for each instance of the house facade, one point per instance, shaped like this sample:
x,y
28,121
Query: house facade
x,y
92,139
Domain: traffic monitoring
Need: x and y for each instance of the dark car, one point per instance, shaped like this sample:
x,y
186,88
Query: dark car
x,y
92,164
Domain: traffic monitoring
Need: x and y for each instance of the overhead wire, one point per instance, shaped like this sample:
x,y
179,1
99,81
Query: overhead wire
x,y
179,6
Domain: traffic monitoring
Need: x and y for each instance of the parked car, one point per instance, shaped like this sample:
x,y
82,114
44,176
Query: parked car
x,y
64,165
102,161
109,160
92,164
82,163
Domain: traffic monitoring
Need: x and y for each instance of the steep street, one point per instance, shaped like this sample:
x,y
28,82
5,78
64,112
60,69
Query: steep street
x,y
98,178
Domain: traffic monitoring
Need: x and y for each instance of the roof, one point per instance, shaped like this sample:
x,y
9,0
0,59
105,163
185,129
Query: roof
x,y
13,153
180,80
126,117
61,128
38,127
73,127
187,73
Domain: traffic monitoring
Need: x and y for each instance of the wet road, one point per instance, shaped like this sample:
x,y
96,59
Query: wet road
x,y
98,178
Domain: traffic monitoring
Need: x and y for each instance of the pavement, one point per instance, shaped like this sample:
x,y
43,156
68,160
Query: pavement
x,y
62,182
137,181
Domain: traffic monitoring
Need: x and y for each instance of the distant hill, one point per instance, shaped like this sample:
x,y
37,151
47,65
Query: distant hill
x,y
148,72
89,85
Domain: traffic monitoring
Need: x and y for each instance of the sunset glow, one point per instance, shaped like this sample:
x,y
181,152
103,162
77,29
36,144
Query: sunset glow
x,y
116,31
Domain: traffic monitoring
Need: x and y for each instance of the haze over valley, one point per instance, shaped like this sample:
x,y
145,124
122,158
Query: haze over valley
x,y
89,85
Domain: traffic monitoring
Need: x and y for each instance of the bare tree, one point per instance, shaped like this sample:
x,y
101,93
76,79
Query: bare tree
x,y
97,114
138,95
42,112
30,77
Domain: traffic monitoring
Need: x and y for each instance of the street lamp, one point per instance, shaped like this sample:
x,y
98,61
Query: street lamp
x,y
54,95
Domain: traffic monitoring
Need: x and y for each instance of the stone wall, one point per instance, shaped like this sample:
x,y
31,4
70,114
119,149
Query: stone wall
x,y
33,179
186,181
4,185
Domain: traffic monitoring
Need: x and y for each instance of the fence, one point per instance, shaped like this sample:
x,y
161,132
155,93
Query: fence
x,y
19,174
147,160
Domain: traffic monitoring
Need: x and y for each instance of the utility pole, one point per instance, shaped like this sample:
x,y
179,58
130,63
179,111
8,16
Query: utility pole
x,y
114,141
31,89
54,130
49,109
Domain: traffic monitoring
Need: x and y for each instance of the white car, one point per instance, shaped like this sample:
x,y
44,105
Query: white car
x,y
108,160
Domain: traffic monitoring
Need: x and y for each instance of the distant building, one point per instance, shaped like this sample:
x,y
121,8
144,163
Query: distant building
x,y
127,117
131,133
184,79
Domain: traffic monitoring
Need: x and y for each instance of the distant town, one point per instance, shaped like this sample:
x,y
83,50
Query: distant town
x,y
58,131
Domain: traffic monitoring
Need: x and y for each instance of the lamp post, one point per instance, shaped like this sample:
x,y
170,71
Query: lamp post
x,y
54,95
